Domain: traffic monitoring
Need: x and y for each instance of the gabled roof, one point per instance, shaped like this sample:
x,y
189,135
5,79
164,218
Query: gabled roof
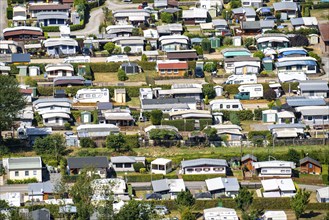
x,y
278,184
280,6
323,192
248,11
52,14
195,13
24,163
229,184
314,110
35,7
248,156
274,164
314,85
171,185
311,160
85,162
305,101
173,65
203,162
40,188
51,42
250,25
126,159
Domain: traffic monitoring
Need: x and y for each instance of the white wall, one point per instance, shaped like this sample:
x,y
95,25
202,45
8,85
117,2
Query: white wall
x,y
21,175
203,170
275,172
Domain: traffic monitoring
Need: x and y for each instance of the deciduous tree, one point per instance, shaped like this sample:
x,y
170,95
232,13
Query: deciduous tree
x,y
244,199
299,202
185,198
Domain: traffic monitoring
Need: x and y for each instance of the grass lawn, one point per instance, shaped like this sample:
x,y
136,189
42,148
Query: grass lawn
x,y
320,14
112,77
134,102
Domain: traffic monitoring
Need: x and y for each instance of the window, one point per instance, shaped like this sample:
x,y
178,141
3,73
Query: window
x,y
299,67
228,106
26,173
221,106
154,166
235,106
34,172
325,117
162,71
310,165
283,171
309,118
310,67
206,169
176,71
218,169
198,169
189,170
264,171
258,89
57,120
288,67
119,165
46,120
16,173
127,165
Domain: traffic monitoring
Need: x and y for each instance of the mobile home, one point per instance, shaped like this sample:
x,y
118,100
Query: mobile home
x,y
97,130
77,59
226,104
92,96
117,58
252,91
241,79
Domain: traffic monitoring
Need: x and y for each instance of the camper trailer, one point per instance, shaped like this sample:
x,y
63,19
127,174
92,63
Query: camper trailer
x,y
117,58
241,79
251,91
77,59
92,96
226,104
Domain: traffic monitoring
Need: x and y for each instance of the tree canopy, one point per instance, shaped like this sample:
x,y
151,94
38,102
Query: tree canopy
x,y
135,210
244,199
117,142
51,145
109,46
162,134
11,101
156,116
185,198
299,202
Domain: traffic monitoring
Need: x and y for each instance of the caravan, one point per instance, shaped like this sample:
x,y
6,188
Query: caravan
x,y
77,59
92,96
241,79
252,91
226,104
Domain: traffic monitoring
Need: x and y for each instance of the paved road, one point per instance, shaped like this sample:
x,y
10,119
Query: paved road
x,y
3,18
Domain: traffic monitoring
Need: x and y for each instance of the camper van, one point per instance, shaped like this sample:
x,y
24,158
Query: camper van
x,y
77,59
117,58
226,104
241,79
92,96
251,91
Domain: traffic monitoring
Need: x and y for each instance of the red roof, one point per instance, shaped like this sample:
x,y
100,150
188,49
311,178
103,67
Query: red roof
x,y
181,65
324,31
26,91
49,7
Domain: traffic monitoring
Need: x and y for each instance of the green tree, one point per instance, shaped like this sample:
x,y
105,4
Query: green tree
x,y
248,41
206,100
144,58
198,50
259,54
162,134
299,202
210,66
31,82
127,49
122,76
3,204
116,141
135,210
166,17
226,14
81,193
315,56
186,214
293,156
156,116
211,133
185,198
269,95
11,101
109,47
208,90
138,166
234,118
51,145
235,4
244,199
227,41
136,32
206,45
87,142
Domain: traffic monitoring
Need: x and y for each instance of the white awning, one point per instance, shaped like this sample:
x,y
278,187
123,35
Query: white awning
x,y
286,134
55,115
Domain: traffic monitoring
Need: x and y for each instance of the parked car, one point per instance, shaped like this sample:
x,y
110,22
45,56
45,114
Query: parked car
x,y
161,210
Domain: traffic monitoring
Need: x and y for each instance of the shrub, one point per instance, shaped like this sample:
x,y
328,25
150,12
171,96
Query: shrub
x,y
143,177
210,66
131,141
227,41
127,49
243,115
31,82
234,118
198,50
76,27
142,170
50,28
109,46
200,177
270,95
259,54
166,17
204,123
248,41
10,12
258,113
264,133
122,76
138,166
231,89
87,143
180,124
206,45
67,126
321,5
145,65
24,181
208,90
315,56
293,86
156,117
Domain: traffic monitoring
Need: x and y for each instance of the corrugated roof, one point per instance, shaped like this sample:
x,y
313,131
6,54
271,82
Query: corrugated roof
x,y
52,15
83,162
248,11
324,192
174,65
295,63
203,162
318,111
49,7
40,188
305,101
24,163
160,185
280,6
324,31
313,85
174,55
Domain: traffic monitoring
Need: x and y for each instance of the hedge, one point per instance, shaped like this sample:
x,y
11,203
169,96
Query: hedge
x,y
141,1
10,12
50,28
293,86
181,124
143,177
75,27
204,123
24,181
231,89
243,115
321,5
252,134
114,67
325,174
258,113
147,65
200,177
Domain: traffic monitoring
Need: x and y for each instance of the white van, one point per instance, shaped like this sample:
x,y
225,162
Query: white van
x,y
226,104
77,59
241,79
117,58
92,96
251,91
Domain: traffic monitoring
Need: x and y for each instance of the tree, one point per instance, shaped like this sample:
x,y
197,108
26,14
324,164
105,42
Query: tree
x,y
227,41
208,90
248,41
211,133
259,54
299,41
81,193
299,202
166,17
315,56
116,141
31,82
186,214
122,76
53,144
235,4
144,58
87,143
244,199
138,166
226,14
162,134
136,32
234,118
293,156
135,210
127,49
269,95
11,101
3,204
156,116
185,198
198,50
210,67
109,47
206,45
206,100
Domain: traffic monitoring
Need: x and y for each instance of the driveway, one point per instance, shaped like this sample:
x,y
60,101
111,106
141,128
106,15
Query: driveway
x,y
3,17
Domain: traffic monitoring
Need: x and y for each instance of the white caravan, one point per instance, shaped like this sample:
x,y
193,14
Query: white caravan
x,y
92,96
226,104
117,58
251,91
77,59
241,79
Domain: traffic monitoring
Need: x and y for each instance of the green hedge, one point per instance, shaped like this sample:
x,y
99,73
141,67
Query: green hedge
x,y
200,177
191,65
321,5
75,27
243,115
114,67
204,123
143,177
325,174
147,65
24,181
232,89
10,12
180,124
141,1
252,134
50,28
258,113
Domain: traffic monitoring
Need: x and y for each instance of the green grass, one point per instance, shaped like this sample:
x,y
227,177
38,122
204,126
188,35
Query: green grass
x,y
112,77
134,102
320,14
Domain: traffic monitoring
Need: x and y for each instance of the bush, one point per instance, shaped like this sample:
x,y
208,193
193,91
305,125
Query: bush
x,y
142,170
293,86
258,113
109,46
105,67
208,90
248,41
321,5
206,45
145,65
270,95
10,12
87,143
210,66
143,177
156,117
166,17
243,115
31,82
234,119
180,124
76,27
253,134
67,126
138,166
50,28
204,123
227,41
122,76
231,89
24,181
259,54
200,177
131,141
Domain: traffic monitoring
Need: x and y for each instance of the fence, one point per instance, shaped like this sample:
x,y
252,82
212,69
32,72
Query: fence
x,y
299,142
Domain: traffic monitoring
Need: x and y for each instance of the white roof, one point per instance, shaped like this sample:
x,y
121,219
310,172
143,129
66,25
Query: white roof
x,y
195,13
274,164
291,76
206,26
220,213
235,101
284,59
323,192
59,66
176,185
275,215
51,42
161,161
270,111
150,33
286,132
290,49
94,126
226,127
285,114
166,127
278,184
214,184
272,39
22,28
117,186
55,115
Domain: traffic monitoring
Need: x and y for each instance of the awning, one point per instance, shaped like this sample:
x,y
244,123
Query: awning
x,y
296,63
287,53
271,194
236,53
55,115
286,134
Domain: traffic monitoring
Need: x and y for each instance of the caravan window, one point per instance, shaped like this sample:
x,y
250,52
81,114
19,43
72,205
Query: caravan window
x,y
88,95
235,106
94,95
258,89
310,67
228,106
310,118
